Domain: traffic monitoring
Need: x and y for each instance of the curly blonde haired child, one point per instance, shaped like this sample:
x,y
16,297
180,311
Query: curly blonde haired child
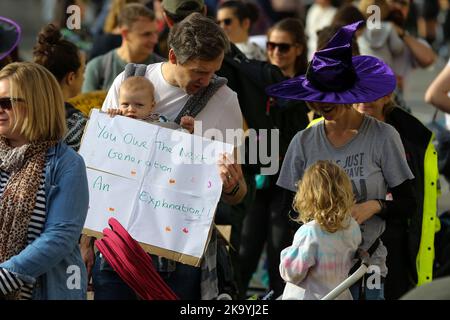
x,y
321,254
325,195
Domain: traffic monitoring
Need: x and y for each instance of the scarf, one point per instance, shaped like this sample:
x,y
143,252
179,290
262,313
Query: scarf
x,y
24,165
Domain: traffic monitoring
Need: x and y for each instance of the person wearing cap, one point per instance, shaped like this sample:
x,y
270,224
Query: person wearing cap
x,y
44,190
370,151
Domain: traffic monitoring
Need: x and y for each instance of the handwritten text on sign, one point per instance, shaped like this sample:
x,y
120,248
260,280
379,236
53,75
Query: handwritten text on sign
x,y
162,185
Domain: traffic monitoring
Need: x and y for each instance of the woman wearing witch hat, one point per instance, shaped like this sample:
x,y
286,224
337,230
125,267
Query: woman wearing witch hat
x,y
369,151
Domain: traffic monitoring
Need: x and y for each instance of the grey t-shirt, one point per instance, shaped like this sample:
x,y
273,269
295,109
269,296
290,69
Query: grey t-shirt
x,y
373,159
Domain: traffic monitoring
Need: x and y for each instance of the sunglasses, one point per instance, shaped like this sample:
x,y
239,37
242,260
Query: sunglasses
x,y
282,47
6,103
226,21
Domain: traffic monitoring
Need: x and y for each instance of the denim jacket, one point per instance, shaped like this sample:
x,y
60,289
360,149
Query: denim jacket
x,y
53,261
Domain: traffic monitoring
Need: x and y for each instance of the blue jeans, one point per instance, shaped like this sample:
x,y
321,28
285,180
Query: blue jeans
x,y
107,283
370,294
184,281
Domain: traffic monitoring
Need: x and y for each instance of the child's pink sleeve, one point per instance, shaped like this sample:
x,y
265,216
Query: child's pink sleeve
x,y
296,260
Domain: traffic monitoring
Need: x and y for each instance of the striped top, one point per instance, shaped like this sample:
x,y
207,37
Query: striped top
x,y
76,121
9,282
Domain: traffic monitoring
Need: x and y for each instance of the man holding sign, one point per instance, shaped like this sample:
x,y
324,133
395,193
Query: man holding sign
x,y
197,47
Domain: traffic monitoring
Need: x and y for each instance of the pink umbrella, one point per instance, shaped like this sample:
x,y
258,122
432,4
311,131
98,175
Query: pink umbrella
x,y
132,263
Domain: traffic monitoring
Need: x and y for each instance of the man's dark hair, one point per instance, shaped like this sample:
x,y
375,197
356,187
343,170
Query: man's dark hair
x,y
58,55
197,37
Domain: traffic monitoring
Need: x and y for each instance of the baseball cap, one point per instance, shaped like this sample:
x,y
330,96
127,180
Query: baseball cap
x,y
182,7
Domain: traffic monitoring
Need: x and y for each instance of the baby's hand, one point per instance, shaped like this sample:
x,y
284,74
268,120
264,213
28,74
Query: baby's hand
x,y
187,123
114,112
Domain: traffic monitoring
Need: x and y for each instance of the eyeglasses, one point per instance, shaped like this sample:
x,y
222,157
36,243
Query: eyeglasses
x,y
282,47
6,103
226,21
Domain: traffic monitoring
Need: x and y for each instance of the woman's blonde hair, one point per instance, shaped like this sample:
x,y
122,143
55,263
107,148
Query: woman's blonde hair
x,y
42,112
325,195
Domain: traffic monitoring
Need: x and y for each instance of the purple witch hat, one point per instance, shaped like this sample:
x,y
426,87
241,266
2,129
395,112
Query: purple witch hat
x,y
334,76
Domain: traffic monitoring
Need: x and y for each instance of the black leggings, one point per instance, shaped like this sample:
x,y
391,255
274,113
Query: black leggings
x,y
267,223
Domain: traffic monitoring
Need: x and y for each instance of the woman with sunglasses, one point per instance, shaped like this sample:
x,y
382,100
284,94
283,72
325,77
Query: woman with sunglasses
x,y
236,19
67,63
265,223
43,190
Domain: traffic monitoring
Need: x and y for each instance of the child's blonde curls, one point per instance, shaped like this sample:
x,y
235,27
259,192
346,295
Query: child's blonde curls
x,y
325,194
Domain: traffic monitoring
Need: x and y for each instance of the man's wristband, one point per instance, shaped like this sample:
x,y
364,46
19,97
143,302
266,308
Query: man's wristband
x,y
234,191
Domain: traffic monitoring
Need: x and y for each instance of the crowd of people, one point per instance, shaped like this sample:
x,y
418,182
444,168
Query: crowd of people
x,y
358,174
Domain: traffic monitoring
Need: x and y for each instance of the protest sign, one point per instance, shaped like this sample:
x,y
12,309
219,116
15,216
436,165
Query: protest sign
x,y
162,185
